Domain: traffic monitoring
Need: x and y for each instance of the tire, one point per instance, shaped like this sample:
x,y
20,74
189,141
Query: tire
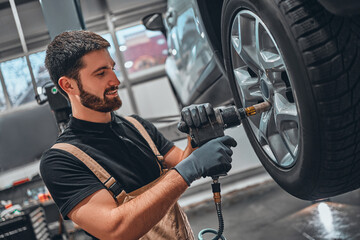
x,y
320,57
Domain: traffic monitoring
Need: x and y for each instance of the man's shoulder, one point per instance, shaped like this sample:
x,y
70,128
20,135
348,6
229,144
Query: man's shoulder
x,y
124,118
141,120
62,138
52,154
56,155
54,162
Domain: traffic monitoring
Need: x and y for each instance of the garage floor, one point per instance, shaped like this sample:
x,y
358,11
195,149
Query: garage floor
x,y
267,212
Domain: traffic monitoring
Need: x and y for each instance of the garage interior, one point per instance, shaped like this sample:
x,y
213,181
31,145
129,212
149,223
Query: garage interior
x,y
254,206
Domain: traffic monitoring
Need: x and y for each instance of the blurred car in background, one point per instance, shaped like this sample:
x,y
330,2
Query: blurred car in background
x,y
302,56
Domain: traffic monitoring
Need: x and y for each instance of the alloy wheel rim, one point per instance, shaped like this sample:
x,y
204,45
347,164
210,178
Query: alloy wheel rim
x,y
261,75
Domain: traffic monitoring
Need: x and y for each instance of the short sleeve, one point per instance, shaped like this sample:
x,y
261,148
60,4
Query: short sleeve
x,y
163,144
68,180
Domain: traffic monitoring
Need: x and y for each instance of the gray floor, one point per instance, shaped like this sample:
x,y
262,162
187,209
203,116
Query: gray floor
x,y
267,212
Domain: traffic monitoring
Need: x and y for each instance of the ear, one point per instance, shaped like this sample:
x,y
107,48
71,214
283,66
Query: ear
x,y
69,85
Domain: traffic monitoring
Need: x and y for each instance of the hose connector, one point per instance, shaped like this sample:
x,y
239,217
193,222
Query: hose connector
x,y
216,191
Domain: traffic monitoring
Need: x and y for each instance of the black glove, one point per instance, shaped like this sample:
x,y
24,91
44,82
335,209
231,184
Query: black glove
x,y
195,116
211,159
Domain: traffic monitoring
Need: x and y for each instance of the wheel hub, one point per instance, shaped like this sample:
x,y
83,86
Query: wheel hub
x,y
266,88
261,75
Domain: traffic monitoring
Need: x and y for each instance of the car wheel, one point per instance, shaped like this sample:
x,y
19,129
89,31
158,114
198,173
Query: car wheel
x,y
305,62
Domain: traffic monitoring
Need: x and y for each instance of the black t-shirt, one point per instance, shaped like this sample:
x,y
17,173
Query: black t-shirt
x,y
117,146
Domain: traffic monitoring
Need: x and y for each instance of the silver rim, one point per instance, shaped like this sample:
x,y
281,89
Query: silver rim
x,y
261,75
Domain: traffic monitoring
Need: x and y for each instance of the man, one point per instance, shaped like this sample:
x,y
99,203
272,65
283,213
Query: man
x,y
82,69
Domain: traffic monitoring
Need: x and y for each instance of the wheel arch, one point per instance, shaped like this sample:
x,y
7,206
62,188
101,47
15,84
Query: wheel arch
x,y
210,11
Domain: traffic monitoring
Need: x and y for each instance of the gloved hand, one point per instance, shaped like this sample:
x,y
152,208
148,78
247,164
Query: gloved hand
x,y
195,116
213,158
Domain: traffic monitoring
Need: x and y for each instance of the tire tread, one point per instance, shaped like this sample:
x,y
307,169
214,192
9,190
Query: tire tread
x,y
331,52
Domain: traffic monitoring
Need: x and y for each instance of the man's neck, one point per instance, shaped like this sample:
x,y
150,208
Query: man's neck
x,y
87,114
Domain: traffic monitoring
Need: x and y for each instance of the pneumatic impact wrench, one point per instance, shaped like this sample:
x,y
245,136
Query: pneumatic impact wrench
x,y
218,120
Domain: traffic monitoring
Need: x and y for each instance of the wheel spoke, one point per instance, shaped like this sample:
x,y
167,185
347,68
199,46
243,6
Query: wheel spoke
x,y
235,35
284,111
286,160
267,54
247,55
249,86
275,78
267,135
287,122
244,43
264,125
281,154
269,60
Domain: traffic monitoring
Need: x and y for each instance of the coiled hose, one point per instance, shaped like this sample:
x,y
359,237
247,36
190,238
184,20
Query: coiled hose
x,y
217,199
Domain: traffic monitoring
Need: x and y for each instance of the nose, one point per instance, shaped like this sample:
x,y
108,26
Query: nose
x,y
114,80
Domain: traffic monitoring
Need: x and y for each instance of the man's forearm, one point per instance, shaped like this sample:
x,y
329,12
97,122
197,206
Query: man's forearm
x,y
188,150
139,215
176,155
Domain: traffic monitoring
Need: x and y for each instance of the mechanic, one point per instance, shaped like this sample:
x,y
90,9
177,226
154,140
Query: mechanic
x,y
80,66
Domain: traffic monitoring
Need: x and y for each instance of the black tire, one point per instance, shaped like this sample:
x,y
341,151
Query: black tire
x,y
322,55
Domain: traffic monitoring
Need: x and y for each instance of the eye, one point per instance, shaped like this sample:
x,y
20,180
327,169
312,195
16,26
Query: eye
x,y
101,73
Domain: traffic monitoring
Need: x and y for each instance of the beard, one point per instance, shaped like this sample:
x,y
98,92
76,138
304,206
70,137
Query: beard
x,y
95,103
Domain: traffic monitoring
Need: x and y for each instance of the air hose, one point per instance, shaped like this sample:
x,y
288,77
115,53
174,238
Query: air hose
x,y
217,199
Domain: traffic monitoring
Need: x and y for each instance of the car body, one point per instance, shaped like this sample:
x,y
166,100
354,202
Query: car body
x,y
193,64
301,56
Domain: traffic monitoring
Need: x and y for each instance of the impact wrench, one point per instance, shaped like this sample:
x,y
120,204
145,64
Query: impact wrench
x,y
219,120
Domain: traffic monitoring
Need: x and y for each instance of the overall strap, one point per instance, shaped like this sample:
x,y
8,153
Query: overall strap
x,y
147,137
110,183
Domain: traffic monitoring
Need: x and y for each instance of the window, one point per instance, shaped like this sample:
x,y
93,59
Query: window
x,y
141,49
113,54
40,72
18,81
155,105
2,99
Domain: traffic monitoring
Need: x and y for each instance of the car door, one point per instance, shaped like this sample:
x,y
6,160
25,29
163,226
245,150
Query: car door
x,y
189,51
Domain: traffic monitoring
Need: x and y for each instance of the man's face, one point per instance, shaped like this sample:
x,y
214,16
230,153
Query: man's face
x,y
98,84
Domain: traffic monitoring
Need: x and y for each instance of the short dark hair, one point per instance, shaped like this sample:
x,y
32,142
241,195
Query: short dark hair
x,y
64,53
